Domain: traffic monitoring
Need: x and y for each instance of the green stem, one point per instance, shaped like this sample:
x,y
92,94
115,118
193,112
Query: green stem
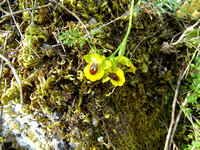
x,y
122,46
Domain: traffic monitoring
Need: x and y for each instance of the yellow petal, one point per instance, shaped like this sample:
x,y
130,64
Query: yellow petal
x,y
132,68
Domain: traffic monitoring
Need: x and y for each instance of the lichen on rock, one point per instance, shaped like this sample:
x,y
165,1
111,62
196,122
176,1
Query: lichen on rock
x,y
192,7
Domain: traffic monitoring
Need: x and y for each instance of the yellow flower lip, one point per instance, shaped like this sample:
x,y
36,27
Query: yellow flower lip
x,y
93,74
117,77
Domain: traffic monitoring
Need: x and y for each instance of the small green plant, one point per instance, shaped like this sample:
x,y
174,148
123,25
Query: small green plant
x,y
194,81
161,5
192,110
72,38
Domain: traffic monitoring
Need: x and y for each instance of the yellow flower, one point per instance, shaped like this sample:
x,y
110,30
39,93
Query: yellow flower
x,y
95,69
117,77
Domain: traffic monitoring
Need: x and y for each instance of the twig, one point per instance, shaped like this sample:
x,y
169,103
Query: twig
x,y
198,40
1,120
54,33
21,11
184,34
126,14
110,93
109,141
17,25
2,10
20,44
173,112
175,126
2,2
2,146
16,77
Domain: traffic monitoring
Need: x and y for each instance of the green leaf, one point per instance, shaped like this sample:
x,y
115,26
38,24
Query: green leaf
x,y
183,107
198,91
93,32
127,61
192,65
189,80
198,60
196,81
198,68
192,87
66,41
188,111
61,37
198,75
81,43
192,98
168,6
70,44
197,145
173,9
192,74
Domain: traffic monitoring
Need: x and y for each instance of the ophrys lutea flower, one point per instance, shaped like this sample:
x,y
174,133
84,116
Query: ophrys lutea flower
x,y
95,69
116,76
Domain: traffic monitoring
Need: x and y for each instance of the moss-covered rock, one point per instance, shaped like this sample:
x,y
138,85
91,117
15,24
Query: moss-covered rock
x,y
92,114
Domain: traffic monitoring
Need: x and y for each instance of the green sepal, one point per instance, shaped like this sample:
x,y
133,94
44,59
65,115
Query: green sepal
x,y
88,58
106,64
105,79
123,60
